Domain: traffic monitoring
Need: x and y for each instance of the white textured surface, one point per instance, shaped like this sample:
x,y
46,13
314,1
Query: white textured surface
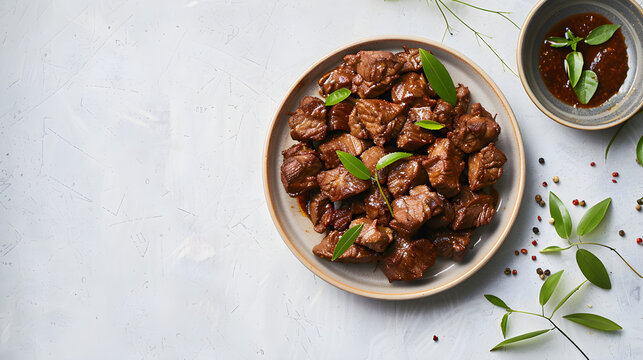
x,y
132,215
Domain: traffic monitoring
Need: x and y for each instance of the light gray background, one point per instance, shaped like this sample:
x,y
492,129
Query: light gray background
x,y
132,217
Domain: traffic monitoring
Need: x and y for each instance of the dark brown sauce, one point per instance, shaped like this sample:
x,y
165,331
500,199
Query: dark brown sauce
x,y
607,60
302,201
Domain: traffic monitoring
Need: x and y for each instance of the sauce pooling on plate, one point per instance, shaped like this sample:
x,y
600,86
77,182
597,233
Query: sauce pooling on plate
x,y
607,60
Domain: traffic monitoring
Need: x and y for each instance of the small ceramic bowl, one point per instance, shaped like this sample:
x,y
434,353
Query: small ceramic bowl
x,y
296,229
627,102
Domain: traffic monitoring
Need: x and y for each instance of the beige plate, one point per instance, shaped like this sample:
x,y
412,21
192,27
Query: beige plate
x,y
297,231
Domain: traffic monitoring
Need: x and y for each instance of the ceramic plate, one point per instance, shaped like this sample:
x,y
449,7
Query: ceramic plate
x,y
297,230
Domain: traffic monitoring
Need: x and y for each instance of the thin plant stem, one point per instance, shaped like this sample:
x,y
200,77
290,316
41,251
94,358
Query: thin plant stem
x,y
501,13
527,312
446,21
384,196
611,248
568,338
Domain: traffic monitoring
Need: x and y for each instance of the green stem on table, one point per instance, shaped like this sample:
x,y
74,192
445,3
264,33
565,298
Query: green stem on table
x,y
384,196
446,21
605,246
501,13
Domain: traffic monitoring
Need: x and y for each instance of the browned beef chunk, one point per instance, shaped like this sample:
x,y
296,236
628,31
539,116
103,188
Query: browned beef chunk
x,y
410,87
318,205
370,157
354,254
443,219
299,169
408,259
444,166
452,245
355,204
411,211
405,174
344,142
413,137
308,123
376,119
410,60
376,72
473,132
444,113
424,102
373,236
375,205
338,116
478,110
473,209
485,167
340,77
340,184
464,97
338,219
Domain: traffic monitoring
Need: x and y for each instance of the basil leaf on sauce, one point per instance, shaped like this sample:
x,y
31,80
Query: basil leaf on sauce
x,y
601,34
555,41
438,77
574,66
586,86
337,96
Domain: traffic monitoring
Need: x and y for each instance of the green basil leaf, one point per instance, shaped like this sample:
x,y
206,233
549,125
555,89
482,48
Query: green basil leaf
x,y
601,34
593,217
503,325
552,249
555,41
570,35
567,297
388,159
346,241
548,287
639,151
354,165
586,86
337,96
607,149
593,321
574,66
562,220
593,269
520,338
438,77
429,124
496,301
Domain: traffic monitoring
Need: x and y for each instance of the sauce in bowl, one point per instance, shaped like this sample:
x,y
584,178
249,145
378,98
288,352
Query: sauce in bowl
x,y
607,60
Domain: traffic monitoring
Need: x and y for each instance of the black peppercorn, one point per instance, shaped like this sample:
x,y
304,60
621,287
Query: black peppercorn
x,y
639,201
542,203
535,230
547,272
621,233
541,160
539,271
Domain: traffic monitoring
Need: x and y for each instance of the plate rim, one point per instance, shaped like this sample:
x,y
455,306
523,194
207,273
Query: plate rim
x,y
413,294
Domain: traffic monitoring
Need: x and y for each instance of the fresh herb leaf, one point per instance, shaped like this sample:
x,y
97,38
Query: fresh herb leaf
x,y
388,159
567,297
593,269
354,165
346,241
337,96
503,325
570,35
496,301
562,220
555,41
586,86
429,124
520,338
552,249
574,66
601,34
639,151
548,287
593,217
593,321
438,77
607,149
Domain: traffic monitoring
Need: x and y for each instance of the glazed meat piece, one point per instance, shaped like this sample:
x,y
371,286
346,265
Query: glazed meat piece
x,y
318,205
410,60
376,119
375,205
452,245
424,102
338,116
444,113
376,72
464,97
410,87
299,169
308,123
411,211
405,174
444,166
354,254
340,77
370,157
485,167
337,219
373,236
343,142
408,259
478,110
340,184
473,132
443,219
413,137
473,209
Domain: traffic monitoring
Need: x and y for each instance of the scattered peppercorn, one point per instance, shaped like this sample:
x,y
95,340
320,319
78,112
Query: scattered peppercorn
x,y
539,198
545,183
517,252
582,203
542,203
515,272
507,271
639,240
614,181
533,257
524,251
541,160
535,230
435,338
552,220
621,233
639,201
575,202
547,272
539,218
542,277
638,207
592,164
534,243
615,174
556,179
539,271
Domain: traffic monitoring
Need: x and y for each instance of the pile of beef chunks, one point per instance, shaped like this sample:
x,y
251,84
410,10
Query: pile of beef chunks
x,y
436,203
